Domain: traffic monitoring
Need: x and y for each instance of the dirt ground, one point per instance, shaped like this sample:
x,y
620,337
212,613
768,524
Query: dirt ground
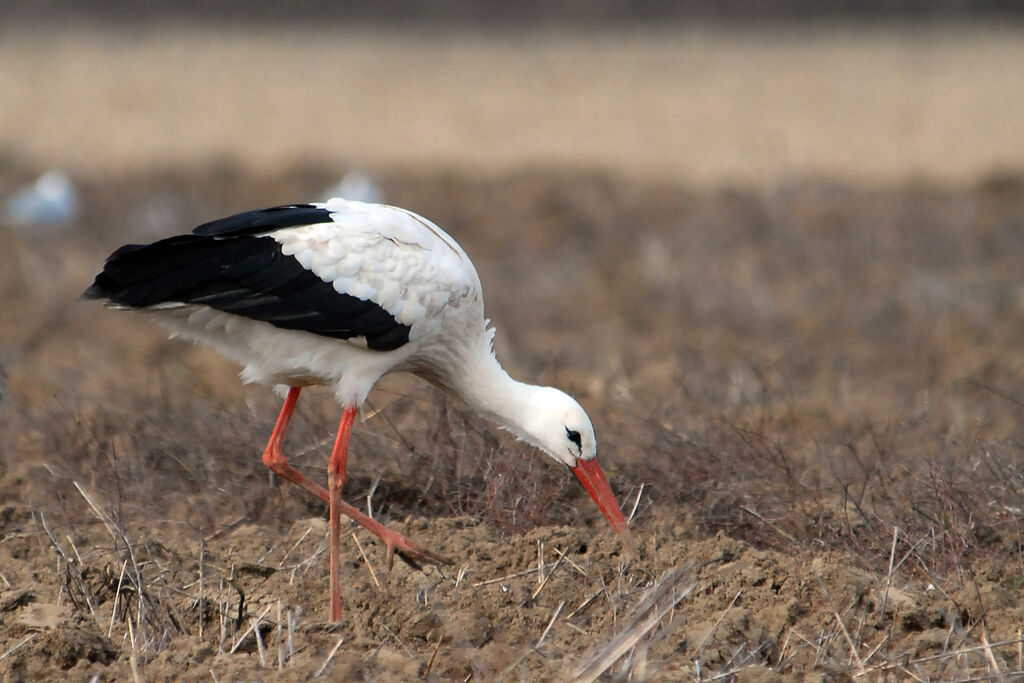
x,y
806,390
807,400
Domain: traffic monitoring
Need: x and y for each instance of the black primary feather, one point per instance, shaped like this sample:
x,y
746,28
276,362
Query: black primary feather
x,y
223,265
265,220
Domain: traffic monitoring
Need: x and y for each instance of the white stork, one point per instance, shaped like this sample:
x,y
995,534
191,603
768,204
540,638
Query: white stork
x,y
339,294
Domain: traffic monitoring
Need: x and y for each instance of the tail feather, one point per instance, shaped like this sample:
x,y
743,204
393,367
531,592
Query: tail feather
x,y
145,275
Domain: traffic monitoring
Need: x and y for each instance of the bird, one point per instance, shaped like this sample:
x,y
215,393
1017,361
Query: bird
x,y
341,293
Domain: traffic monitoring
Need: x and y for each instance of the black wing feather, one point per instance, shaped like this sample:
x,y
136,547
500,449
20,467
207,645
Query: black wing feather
x,y
264,220
224,266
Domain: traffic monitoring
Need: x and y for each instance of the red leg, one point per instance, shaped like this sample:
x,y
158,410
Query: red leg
x,y
275,460
335,480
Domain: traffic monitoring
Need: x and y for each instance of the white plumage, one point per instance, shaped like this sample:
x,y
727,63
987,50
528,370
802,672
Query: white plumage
x,y
341,293
392,257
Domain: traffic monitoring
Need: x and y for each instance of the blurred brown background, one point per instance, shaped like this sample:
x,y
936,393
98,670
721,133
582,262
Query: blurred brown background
x,y
775,249
872,92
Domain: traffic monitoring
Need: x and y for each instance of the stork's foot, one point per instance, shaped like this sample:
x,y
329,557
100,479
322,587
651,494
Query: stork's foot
x,y
411,553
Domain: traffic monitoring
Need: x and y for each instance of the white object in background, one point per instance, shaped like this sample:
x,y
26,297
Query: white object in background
x,y
356,186
51,200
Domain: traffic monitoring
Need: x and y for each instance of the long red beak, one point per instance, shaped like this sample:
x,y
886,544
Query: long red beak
x,y
592,477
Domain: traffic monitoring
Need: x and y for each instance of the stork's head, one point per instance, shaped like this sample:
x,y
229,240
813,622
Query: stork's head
x,y
558,425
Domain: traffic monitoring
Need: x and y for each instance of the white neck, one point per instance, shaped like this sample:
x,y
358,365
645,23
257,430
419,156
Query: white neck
x,y
489,390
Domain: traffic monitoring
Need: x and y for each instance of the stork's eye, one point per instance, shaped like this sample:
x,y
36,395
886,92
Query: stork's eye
x,y
574,436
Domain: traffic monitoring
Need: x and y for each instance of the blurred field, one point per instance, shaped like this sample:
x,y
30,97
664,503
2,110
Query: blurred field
x,y
787,291
704,105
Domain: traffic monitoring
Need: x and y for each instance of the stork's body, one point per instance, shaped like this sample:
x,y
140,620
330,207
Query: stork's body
x,y
340,294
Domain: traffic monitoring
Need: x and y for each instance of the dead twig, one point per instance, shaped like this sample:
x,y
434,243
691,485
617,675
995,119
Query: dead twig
x,y
133,658
786,535
71,567
600,661
369,497
253,625
291,634
585,603
460,576
330,656
636,504
562,555
280,639
17,646
373,574
117,599
554,618
720,618
842,626
433,656
233,582
547,578
488,582
540,562
931,658
202,588
259,640
226,529
280,564
118,534
888,579
990,656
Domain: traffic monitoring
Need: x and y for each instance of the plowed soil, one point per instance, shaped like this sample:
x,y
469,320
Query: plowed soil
x,y
807,400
